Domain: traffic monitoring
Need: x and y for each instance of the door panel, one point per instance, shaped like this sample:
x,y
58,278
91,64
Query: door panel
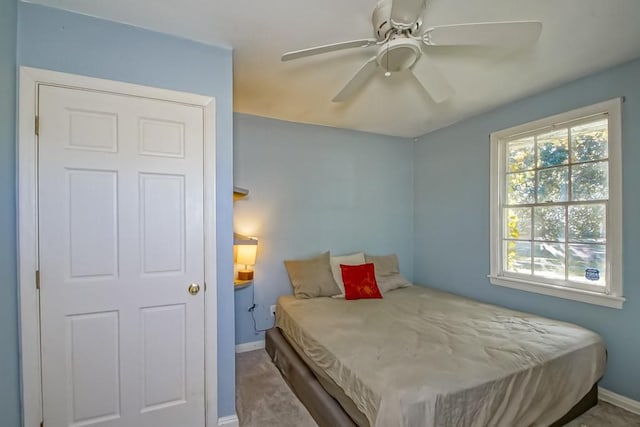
x,y
90,404
120,241
161,138
163,355
162,223
93,251
92,130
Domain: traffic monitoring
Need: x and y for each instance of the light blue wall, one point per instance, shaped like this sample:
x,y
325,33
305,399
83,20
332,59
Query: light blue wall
x,y
314,189
68,42
9,371
452,216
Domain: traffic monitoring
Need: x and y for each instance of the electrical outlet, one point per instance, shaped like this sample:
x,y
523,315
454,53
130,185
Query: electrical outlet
x,y
273,310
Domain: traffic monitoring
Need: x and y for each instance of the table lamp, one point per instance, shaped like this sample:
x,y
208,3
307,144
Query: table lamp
x,y
245,249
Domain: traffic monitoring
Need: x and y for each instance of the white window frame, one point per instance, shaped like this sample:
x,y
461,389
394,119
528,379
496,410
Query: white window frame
x,y
613,296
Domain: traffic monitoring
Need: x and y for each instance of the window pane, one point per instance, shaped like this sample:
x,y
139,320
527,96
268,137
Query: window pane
x,y
549,223
520,155
553,148
518,223
553,185
548,260
590,181
590,141
518,259
587,264
587,223
520,188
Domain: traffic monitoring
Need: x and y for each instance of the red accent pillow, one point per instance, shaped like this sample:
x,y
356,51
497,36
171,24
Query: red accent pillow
x,y
360,281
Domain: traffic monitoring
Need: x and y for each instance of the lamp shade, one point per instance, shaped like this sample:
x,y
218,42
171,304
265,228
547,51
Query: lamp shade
x,y
246,254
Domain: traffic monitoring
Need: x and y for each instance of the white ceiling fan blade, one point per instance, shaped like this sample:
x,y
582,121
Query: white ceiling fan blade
x,y
358,80
327,48
514,33
405,13
432,80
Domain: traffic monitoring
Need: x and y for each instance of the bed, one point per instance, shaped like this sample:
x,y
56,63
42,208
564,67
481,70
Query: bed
x,y
422,357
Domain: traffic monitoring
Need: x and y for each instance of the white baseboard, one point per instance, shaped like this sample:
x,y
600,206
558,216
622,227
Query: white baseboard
x,y
229,421
619,400
249,346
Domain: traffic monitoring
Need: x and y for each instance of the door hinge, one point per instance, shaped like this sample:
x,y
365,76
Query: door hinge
x,y
37,125
37,279
205,286
41,423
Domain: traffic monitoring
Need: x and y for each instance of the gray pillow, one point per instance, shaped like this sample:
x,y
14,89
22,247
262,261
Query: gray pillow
x,y
312,277
387,272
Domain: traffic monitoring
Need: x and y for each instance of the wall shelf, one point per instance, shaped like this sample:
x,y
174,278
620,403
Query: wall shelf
x,y
240,284
239,193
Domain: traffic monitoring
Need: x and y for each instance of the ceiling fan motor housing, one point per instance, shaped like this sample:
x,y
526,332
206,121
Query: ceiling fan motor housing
x,y
381,20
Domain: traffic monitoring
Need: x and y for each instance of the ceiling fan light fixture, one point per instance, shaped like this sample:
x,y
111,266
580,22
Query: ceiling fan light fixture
x,y
399,54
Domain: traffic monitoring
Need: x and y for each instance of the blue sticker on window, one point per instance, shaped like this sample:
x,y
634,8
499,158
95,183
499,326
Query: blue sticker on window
x,y
592,274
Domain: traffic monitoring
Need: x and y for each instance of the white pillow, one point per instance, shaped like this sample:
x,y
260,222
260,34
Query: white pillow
x,y
335,261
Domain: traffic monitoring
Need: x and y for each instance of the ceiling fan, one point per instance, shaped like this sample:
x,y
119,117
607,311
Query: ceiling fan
x,y
401,41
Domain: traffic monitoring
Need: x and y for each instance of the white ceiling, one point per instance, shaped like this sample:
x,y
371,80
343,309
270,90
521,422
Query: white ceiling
x,y
578,38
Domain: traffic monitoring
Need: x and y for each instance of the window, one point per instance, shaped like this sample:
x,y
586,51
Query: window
x,y
556,205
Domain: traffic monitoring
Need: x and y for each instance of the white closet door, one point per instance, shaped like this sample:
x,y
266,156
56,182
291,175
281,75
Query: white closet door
x,y
121,241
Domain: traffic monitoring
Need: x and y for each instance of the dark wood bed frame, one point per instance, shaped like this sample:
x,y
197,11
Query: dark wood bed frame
x,y
326,411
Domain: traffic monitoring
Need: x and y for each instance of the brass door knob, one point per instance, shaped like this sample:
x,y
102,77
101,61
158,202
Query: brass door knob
x,y
194,288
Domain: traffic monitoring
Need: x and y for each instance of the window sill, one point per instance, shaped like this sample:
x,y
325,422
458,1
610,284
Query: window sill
x,y
595,298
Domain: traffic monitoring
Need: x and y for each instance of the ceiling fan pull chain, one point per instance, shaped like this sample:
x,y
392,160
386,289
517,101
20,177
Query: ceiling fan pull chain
x,y
388,73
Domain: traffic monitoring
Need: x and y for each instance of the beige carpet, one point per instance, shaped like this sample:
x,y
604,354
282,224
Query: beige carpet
x,y
263,399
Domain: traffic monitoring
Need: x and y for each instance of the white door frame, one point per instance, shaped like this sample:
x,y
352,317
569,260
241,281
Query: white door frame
x,y
30,366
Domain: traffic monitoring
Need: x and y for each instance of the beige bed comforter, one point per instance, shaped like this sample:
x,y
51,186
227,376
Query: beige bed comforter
x,y
420,357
